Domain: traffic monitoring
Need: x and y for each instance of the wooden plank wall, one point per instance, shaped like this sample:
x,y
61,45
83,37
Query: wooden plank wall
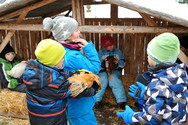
x,y
25,42
133,46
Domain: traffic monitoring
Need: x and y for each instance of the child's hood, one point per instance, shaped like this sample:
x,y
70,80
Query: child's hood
x,y
174,77
38,76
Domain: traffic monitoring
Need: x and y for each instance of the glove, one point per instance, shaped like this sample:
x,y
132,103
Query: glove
x,y
137,92
20,80
126,115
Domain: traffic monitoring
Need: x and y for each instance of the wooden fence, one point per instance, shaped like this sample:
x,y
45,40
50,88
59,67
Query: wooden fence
x,y
133,46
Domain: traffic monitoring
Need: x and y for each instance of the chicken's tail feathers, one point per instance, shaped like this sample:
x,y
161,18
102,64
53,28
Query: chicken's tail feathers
x,y
77,88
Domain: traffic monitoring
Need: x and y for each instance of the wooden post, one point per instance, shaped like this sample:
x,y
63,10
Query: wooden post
x,y
78,13
114,11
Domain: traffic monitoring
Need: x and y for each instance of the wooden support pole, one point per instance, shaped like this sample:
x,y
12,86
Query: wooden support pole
x,y
78,12
114,11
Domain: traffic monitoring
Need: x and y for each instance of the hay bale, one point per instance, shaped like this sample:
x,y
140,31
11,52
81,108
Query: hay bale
x,y
127,80
13,102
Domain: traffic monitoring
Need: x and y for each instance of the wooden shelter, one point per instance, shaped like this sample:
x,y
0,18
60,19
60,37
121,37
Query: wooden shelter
x,y
21,25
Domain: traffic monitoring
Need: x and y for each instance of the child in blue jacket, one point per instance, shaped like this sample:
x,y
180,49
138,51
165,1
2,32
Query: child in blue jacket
x,y
113,79
47,86
65,31
166,95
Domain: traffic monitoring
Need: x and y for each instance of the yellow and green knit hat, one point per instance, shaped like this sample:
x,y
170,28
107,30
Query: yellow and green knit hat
x,y
49,52
164,49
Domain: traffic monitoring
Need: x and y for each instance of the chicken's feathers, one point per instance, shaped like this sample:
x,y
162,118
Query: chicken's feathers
x,y
17,70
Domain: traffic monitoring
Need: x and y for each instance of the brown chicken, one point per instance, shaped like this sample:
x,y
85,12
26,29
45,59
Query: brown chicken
x,y
111,64
83,80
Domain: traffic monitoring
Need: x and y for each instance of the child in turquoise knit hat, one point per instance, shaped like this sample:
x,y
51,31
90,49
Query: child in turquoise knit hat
x,y
47,86
166,95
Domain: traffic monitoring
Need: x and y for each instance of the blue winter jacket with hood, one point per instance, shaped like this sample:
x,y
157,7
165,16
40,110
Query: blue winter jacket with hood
x,y
165,98
47,93
79,109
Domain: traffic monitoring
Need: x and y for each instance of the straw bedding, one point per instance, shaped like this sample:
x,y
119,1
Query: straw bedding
x,y
12,102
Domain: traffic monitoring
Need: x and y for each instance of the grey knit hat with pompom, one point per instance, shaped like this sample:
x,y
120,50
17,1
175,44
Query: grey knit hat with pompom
x,y
62,27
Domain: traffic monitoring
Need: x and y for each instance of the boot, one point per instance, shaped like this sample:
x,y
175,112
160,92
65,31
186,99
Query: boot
x,y
98,105
121,105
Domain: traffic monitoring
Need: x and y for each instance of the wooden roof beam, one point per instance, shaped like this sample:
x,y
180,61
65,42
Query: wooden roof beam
x,y
58,11
28,8
148,19
99,29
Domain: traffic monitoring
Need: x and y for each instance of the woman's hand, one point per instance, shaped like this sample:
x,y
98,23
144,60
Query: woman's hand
x,y
81,42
